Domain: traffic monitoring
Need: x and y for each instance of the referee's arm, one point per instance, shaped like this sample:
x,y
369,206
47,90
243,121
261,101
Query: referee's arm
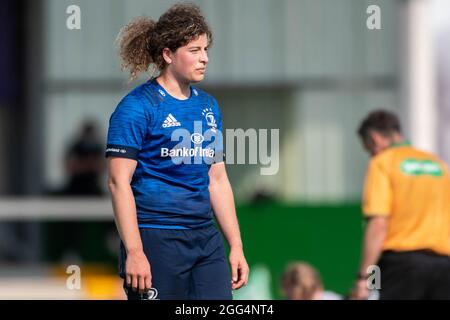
x,y
374,237
377,204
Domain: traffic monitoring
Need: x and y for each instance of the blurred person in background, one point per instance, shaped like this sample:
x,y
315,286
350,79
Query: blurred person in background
x,y
407,205
164,208
301,281
84,164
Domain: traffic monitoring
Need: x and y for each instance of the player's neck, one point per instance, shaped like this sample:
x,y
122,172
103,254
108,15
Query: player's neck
x,y
398,139
176,88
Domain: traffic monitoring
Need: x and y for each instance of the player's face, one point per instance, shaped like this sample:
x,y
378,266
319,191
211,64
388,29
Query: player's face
x,y
189,62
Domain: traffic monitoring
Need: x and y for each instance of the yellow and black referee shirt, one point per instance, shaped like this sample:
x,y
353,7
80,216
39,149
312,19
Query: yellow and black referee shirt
x,y
412,189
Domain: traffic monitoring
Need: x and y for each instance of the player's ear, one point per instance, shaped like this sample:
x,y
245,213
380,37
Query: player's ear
x,y
377,138
167,55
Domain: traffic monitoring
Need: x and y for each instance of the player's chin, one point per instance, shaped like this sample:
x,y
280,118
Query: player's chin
x,y
197,77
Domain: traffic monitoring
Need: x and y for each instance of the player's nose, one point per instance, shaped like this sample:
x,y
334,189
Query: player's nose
x,y
204,57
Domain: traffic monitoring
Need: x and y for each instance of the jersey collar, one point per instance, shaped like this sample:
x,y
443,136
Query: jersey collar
x,y
404,143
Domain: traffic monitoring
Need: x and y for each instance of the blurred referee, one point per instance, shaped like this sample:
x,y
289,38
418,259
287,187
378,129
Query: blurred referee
x,y
407,206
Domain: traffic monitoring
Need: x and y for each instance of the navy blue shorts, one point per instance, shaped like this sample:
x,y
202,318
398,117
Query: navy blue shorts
x,y
185,265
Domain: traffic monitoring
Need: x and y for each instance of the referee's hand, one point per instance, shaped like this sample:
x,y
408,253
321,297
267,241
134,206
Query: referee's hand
x,y
360,290
239,268
138,274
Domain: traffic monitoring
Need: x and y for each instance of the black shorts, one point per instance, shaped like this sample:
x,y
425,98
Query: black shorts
x,y
420,274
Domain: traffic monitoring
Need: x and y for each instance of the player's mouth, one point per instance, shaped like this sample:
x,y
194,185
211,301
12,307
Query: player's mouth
x,y
201,70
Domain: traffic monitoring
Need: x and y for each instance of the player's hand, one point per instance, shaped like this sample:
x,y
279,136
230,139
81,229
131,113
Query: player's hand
x,y
137,270
360,290
239,268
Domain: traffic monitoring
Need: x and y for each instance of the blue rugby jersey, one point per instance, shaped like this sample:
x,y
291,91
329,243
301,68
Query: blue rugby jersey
x,y
174,142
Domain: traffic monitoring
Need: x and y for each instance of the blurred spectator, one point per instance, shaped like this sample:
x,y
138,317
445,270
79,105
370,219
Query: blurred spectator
x,y
300,281
84,164
262,196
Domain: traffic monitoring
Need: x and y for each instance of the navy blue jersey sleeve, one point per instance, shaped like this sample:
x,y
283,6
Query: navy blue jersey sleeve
x,y
128,127
219,149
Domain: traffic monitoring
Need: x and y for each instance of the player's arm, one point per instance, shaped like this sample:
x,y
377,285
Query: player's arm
x,y
137,268
224,209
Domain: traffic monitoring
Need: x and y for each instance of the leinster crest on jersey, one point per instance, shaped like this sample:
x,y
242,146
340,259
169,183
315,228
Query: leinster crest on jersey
x,y
210,119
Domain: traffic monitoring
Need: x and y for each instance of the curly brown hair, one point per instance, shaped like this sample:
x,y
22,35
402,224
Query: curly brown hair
x,y
142,41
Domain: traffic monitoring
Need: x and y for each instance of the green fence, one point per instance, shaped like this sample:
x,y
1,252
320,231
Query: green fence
x,y
328,237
